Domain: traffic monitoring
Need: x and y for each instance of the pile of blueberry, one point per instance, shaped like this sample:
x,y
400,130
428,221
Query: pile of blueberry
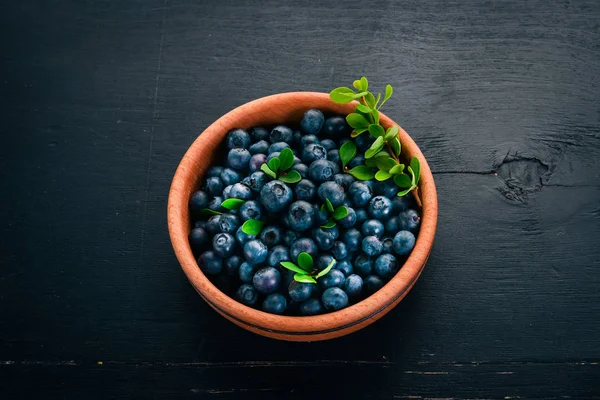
x,y
367,246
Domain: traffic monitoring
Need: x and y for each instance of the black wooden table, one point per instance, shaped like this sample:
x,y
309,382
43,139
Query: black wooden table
x,y
100,99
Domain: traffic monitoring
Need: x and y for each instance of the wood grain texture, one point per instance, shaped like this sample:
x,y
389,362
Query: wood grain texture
x,y
100,100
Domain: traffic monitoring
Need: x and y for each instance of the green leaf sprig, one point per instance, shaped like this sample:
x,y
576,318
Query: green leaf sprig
x,y
333,214
366,118
250,227
280,167
305,271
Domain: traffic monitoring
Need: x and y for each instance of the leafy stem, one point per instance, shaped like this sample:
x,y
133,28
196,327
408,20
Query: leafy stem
x,y
333,214
305,270
250,227
280,167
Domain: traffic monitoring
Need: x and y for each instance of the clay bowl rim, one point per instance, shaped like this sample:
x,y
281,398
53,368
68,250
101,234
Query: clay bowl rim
x,y
194,164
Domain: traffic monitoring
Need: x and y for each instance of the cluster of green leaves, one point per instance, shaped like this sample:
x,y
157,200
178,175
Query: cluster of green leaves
x,y
280,167
305,271
333,214
250,227
380,164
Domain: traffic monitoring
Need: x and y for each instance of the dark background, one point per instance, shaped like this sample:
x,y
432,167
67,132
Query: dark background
x,y
100,99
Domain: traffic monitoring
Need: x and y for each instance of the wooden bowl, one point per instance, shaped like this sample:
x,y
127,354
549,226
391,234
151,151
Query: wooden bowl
x,y
272,110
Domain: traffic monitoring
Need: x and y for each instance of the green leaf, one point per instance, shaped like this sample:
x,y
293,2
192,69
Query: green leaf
x,y
340,212
347,152
323,208
378,142
207,212
341,95
274,163
265,168
232,204
286,158
292,267
252,227
404,192
370,100
375,116
328,205
292,176
415,165
377,100
357,84
357,132
382,176
388,93
376,131
304,278
395,145
397,169
372,162
357,121
412,176
402,180
327,269
305,261
372,152
362,173
328,225
391,133
385,163
364,84
363,109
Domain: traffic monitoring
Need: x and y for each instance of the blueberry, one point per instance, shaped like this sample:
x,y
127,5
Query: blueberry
x,y
247,294
363,142
214,186
363,265
227,192
322,170
301,215
250,210
275,304
278,146
392,225
380,207
246,272
261,147
300,291
305,190
321,217
371,184
387,189
256,181
308,139
373,227
344,180
372,246
240,191
323,261
339,250
302,169
297,160
238,138
410,220
404,242
334,299
232,265
223,244
200,224
334,156
198,202
281,134
386,266
275,196
301,245
336,127
353,285
290,237
361,215
229,177
345,266
333,278
313,152
312,122
277,255
238,158
198,238
359,194
243,237
259,133
372,284
214,172
210,263
311,307
325,237
358,159
349,220
399,204
228,223
255,252
297,137
213,225
267,280
332,191
352,238
256,161
388,244
328,144
271,235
